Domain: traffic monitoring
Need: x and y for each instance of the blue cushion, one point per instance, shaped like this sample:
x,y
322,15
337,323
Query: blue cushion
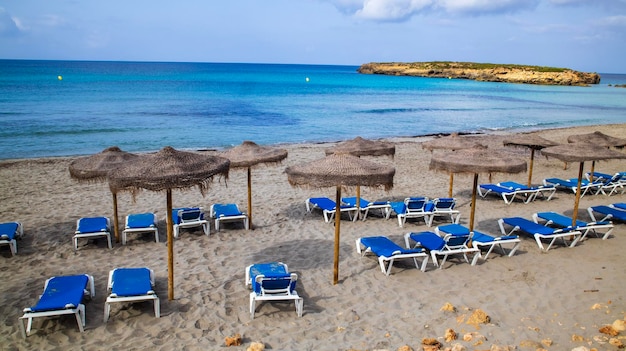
x,y
383,246
454,229
62,292
323,202
398,207
275,272
92,225
141,220
226,210
177,219
428,240
8,230
131,281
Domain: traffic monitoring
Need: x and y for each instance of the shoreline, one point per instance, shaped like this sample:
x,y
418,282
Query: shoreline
x,y
409,138
558,300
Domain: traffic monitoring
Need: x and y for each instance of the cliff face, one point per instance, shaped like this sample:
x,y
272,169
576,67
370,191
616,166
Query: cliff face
x,y
484,72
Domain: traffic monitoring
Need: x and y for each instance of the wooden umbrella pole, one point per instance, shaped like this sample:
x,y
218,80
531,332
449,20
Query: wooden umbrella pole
x,y
358,201
530,169
116,229
337,223
473,209
170,247
593,167
249,198
580,179
451,184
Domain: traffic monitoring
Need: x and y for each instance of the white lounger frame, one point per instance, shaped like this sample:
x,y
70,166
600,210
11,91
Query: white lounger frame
x,y
387,262
78,311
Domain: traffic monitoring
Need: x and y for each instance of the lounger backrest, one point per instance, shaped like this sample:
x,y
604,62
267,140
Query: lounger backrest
x,y
281,285
456,241
444,203
225,210
190,215
415,204
8,230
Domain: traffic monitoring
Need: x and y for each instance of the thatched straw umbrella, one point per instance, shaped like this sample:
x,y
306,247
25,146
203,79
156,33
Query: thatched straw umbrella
x,y
597,138
452,142
534,143
94,168
340,170
363,147
163,171
475,161
249,154
581,152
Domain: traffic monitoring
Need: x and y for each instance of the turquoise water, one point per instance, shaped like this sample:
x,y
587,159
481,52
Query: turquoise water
x,y
141,106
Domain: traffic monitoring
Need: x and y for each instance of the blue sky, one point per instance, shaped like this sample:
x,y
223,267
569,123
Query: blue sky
x,y
585,35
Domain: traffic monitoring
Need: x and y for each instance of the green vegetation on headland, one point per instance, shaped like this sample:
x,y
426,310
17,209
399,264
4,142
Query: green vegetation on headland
x,y
487,72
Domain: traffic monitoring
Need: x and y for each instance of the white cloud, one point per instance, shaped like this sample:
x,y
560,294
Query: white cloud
x,y
613,21
9,26
485,6
391,10
400,10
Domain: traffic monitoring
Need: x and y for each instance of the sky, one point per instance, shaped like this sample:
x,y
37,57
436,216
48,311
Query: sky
x,y
584,35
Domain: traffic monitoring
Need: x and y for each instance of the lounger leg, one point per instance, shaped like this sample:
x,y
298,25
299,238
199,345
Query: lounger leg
x,y
13,247
540,244
387,269
22,328
157,307
109,241
299,304
107,311
207,230
252,305
156,235
80,317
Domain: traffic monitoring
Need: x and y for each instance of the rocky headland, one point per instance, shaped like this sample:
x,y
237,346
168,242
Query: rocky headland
x,y
485,72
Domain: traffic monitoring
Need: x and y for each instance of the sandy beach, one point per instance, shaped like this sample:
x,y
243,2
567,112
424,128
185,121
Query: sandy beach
x,y
556,300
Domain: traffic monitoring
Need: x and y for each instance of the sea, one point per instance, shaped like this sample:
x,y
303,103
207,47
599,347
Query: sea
x,y
68,108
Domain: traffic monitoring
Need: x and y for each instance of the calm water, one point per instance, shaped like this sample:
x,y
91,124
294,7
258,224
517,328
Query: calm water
x,y
56,108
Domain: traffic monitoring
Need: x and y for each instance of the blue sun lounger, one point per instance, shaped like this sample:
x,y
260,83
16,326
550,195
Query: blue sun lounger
x,y
562,221
62,295
543,191
228,213
131,285
539,232
328,208
572,184
92,227
189,217
412,207
442,246
9,232
507,194
609,213
272,282
387,252
481,240
140,223
366,206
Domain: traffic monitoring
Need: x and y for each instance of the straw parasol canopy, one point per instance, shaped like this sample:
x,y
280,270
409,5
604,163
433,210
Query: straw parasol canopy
x,y
340,170
163,171
364,147
452,142
94,168
581,152
597,138
534,143
249,154
475,161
